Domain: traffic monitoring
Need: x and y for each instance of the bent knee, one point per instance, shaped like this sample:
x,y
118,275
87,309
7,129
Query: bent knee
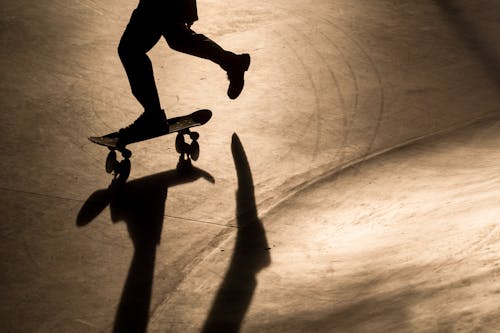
x,y
128,49
124,51
179,36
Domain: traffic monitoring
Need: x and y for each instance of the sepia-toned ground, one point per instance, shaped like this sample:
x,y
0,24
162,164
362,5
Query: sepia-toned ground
x,y
354,186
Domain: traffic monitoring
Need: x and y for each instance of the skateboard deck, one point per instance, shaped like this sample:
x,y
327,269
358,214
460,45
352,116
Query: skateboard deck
x,y
175,125
180,125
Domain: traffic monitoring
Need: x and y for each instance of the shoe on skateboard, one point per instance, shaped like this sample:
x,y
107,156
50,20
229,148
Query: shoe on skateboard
x,y
149,125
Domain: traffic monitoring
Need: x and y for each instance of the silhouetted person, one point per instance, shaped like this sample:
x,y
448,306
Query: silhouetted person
x,y
171,19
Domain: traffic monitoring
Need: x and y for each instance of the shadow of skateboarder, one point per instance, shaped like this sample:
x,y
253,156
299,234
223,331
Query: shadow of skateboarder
x,y
141,205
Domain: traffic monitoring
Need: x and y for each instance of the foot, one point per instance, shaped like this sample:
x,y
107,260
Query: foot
x,y
235,73
148,125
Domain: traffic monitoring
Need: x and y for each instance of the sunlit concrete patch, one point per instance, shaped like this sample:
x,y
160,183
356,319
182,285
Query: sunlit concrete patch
x,y
406,242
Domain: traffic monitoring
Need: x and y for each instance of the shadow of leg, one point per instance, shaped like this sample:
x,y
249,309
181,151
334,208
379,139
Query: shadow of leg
x,y
251,255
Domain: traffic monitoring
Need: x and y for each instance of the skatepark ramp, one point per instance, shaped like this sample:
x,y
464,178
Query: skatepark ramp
x,y
352,185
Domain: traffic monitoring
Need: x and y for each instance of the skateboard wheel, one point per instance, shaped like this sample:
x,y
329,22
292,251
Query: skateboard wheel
x,y
111,161
194,135
123,170
179,143
126,153
195,151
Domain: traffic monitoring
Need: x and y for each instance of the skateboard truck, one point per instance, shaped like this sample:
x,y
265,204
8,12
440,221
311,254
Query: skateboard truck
x,y
119,169
187,151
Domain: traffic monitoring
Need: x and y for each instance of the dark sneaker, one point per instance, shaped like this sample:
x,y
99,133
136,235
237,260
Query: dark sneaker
x,y
235,73
148,125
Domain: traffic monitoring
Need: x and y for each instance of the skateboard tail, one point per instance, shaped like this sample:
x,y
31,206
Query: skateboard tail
x,y
105,141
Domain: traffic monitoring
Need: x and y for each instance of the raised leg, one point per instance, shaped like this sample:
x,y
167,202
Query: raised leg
x,y
183,39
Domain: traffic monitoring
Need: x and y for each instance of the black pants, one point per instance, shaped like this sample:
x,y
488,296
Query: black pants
x,y
141,34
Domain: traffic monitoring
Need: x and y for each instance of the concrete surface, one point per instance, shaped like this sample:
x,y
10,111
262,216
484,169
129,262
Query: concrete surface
x,y
354,185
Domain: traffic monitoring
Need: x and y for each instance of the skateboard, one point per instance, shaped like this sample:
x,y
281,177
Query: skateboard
x,y
180,125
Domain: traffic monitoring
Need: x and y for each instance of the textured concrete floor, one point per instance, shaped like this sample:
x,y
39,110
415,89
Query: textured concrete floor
x,y
354,185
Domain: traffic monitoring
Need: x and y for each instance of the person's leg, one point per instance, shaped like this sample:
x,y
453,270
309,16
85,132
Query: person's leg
x,y
137,39
183,39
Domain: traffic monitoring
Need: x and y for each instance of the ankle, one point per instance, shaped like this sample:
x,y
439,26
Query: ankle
x,y
228,61
154,111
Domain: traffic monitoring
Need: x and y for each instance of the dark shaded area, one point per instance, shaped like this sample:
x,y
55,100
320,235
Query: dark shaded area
x,y
474,39
141,205
250,256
